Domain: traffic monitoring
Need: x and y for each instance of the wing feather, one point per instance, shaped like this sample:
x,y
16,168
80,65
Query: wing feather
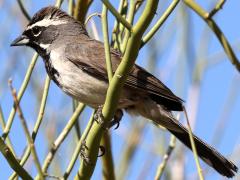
x,y
90,57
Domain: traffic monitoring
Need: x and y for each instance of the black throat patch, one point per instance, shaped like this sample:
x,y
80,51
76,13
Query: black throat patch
x,y
52,72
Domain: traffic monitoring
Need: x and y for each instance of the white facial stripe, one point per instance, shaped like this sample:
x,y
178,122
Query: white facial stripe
x,y
37,34
47,22
44,46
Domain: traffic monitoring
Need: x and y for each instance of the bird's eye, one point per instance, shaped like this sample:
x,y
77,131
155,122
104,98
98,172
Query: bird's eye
x,y
36,31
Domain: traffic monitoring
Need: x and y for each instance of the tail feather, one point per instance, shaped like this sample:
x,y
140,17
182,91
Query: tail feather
x,y
207,153
159,115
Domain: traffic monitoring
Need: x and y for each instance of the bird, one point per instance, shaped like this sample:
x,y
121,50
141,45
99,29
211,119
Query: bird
x,y
76,63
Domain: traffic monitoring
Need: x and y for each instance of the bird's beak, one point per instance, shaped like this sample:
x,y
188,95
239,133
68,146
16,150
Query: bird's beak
x,y
20,41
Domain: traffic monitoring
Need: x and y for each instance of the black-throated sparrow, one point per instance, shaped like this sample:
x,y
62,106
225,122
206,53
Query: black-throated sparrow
x,y
76,63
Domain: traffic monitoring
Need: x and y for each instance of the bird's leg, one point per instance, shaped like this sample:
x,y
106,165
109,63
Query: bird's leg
x,y
98,117
115,121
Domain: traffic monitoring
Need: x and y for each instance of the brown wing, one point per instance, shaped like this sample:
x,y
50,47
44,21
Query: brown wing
x,y
89,56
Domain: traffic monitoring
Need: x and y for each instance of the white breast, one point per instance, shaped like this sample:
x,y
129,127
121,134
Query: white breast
x,y
76,82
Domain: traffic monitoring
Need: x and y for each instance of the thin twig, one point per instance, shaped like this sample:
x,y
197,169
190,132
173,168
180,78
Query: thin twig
x,y
24,11
107,159
91,16
20,94
160,22
130,18
221,37
26,154
117,15
27,133
78,149
166,156
193,145
133,141
218,6
12,161
115,33
3,124
106,43
61,137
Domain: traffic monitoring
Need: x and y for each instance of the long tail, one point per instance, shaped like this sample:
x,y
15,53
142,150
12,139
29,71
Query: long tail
x,y
207,153
164,118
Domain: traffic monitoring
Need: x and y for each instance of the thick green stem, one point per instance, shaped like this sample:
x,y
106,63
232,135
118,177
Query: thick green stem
x,y
114,90
81,9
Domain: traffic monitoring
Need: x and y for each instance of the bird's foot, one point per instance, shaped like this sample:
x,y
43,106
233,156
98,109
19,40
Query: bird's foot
x,y
102,150
116,119
98,117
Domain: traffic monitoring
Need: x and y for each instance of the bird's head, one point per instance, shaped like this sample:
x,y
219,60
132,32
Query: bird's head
x,y
48,25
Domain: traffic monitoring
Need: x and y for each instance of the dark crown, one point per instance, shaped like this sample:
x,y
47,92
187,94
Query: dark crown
x,y
51,12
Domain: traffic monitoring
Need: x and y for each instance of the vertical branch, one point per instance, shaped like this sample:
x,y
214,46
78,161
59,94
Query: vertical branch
x,y
193,146
117,82
107,159
81,9
166,156
78,149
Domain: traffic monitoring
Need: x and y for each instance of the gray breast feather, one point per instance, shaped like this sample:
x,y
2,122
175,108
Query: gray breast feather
x,y
77,83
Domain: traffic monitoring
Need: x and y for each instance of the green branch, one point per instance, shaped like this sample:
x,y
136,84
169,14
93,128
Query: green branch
x,y
130,18
193,146
20,94
26,131
160,22
106,43
166,156
12,161
114,90
3,125
24,11
78,148
26,154
222,39
81,9
117,15
218,6
61,137
115,41
107,159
